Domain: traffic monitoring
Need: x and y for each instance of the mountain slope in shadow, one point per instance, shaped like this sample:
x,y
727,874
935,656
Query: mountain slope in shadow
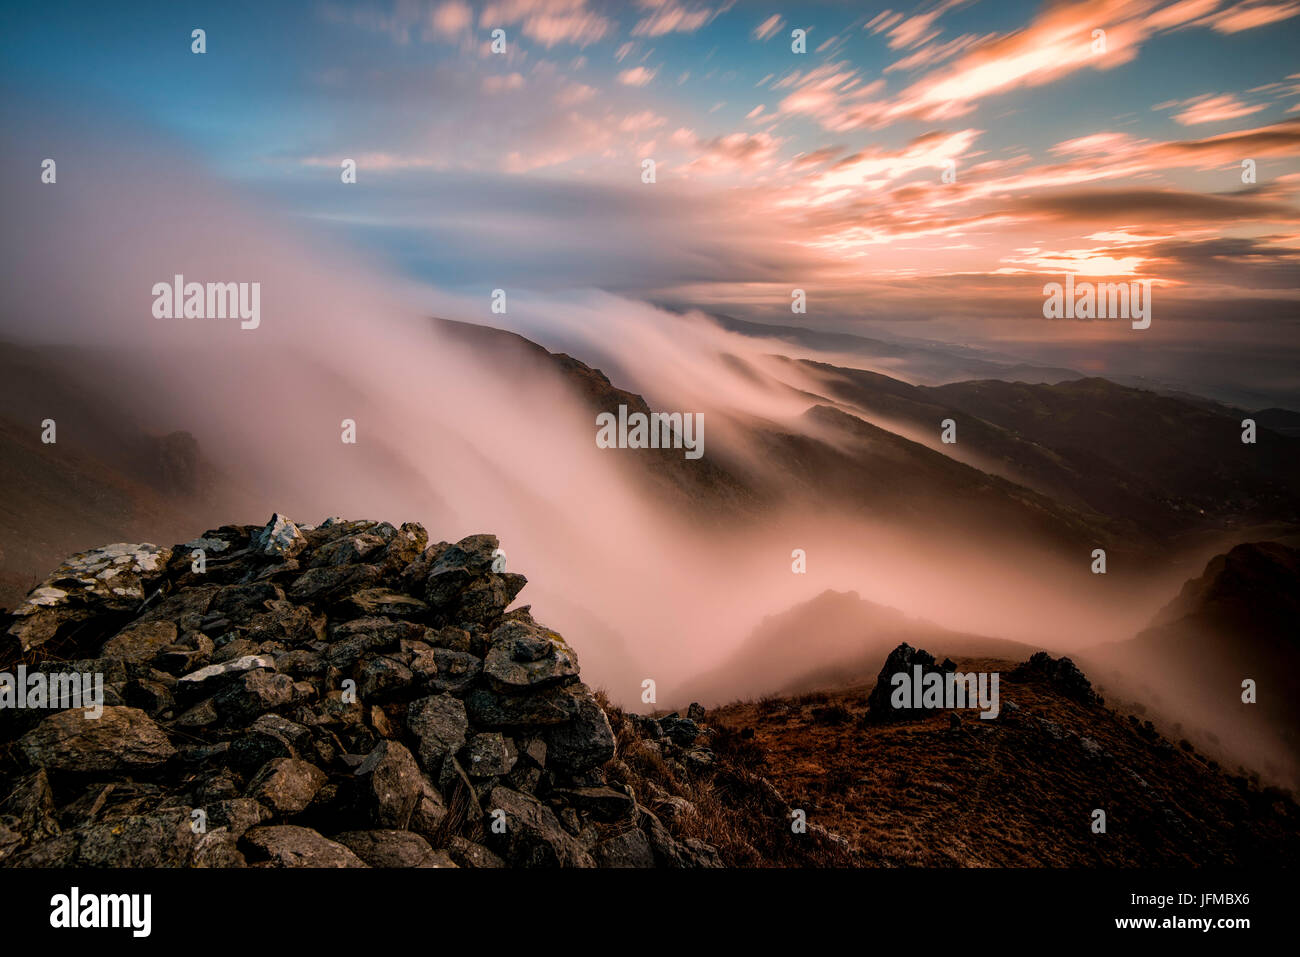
x,y
1157,464
831,462
1234,622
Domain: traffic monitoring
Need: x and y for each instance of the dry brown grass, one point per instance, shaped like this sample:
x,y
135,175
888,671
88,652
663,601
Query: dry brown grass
x,y
1006,792
736,809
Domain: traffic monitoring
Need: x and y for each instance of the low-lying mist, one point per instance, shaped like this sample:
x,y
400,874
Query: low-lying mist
x,y
446,438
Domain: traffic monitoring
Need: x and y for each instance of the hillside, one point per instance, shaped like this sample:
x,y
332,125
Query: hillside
x,y
1235,621
1016,791
1153,463
105,478
1065,466
710,489
349,695
830,461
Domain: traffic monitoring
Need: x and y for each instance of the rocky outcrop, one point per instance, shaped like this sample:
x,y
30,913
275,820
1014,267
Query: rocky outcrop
x,y
902,660
341,695
1061,673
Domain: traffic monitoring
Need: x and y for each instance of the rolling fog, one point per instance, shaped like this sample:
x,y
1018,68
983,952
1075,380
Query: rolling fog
x,y
446,439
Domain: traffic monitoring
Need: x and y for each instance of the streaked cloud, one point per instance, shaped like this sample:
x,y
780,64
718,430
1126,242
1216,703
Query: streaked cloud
x,y
637,76
1056,43
1210,108
930,160
768,27
549,22
670,16
1248,16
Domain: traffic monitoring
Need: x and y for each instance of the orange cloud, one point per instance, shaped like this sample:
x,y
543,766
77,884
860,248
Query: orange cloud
x,y
1211,109
549,22
637,76
1248,16
671,17
1062,39
451,18
503,82
768,27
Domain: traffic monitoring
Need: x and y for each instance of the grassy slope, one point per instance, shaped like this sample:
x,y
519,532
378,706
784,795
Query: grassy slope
x,y
1014,792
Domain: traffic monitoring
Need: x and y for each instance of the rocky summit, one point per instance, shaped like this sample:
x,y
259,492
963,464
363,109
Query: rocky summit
x,y
338,695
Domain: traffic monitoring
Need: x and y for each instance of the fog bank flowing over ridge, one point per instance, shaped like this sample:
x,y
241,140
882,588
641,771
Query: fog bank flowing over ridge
x,y
443,438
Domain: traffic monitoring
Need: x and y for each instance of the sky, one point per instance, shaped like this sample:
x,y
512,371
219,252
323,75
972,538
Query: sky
x,y
922,168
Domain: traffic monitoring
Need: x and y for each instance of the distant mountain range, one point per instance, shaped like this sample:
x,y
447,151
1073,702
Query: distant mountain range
x,y
1160,465
923,362
929,362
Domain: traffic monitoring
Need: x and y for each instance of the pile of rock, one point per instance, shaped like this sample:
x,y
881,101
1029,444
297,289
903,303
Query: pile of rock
x,y
338,695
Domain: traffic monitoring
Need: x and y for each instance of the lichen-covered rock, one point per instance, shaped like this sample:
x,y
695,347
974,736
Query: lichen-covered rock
x,y
442,669
469,854
237,815
604,803
488,754
354,639
161,838
542,708
628,848
396,791
199,678
280,539
33,803
583,743
140,641
252,694
94,583
385,603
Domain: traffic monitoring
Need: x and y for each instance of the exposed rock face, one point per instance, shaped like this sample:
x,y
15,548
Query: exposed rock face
x,y
341,695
